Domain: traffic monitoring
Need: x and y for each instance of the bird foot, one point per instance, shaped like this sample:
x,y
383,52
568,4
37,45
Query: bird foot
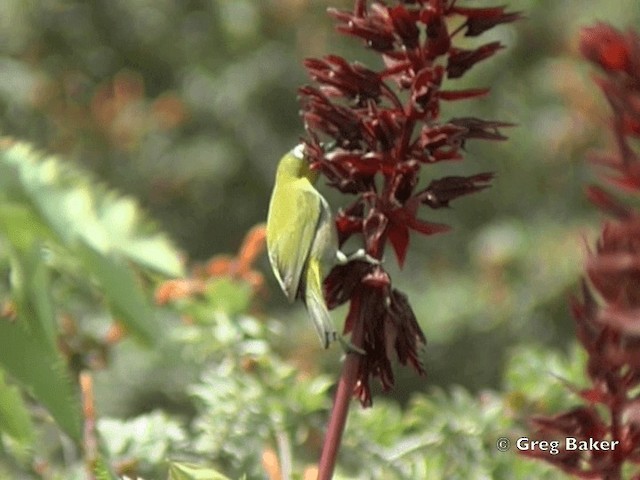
x,y
349,347
359,254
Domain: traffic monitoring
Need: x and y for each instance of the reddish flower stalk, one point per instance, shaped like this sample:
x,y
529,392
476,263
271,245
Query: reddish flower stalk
x,y
370,133
608,315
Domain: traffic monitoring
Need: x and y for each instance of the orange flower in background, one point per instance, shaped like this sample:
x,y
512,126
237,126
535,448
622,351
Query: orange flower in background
x,y
238,267
177,289
8,310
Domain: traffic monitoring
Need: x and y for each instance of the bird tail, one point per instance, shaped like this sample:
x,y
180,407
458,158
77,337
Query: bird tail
x,y
316,306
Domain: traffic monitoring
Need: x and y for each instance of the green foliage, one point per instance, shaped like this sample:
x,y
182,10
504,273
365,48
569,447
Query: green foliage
x,y
102,471
14,417
76,210
56,223
183,471
541,380
147,438
37,366
122,290
443,435
228,296
249,400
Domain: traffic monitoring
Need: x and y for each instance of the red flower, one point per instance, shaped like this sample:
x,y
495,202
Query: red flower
x,y
371,133
607,316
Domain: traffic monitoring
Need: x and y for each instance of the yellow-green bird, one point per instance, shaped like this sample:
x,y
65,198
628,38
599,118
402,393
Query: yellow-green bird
x,y
301,239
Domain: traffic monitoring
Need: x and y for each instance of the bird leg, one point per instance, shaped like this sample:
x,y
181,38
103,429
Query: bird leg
x,y
359,254
349,347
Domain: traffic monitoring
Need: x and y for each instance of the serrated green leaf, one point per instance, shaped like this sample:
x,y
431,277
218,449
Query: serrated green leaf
x,y
186,471
31,288
123,293
14,417
32,362
81,210
29,274
137,242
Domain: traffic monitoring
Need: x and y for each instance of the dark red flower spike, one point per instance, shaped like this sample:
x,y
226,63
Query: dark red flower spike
x,y
372,132
607,316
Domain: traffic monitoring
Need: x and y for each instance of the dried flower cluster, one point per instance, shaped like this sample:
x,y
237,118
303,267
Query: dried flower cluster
x,y
608,316
370,133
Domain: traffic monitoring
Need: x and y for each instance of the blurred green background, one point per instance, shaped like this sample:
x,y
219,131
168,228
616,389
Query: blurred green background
x,y
187,105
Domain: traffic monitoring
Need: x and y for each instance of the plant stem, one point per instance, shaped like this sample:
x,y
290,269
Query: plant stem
x,y
341,402
88,409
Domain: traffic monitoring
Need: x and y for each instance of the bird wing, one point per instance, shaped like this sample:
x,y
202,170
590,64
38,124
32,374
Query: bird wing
x,y
294,213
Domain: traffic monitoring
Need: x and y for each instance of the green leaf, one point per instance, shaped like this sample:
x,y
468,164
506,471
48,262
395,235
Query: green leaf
x,y
14,417
31,289
229,296
123,292
28,346
80,210
29,275
21,225
132,238
32,362
185,471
